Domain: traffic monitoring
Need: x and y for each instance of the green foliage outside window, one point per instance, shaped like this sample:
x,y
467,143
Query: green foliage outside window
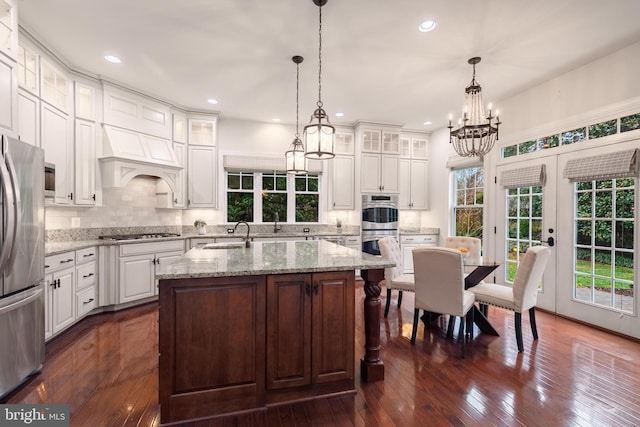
x,y
469,194
603,129
630,123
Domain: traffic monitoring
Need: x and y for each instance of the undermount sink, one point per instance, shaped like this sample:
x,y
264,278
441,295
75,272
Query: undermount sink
x,y
224,245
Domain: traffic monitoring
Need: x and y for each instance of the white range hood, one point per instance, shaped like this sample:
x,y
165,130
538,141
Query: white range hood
x,y
127,154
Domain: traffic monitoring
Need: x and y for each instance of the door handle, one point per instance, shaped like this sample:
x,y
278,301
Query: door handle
x,y
550,241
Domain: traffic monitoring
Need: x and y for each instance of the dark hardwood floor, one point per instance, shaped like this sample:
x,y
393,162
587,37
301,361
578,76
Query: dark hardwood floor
x,y
106,369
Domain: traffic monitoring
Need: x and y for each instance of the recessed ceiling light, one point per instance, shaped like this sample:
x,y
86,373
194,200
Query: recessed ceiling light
x,y
275,120
212,101
113,59
427,123
339,114
427,26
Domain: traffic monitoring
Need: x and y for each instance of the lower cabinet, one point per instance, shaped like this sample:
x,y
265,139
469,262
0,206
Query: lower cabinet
x,y
60,276
310,329
409,242
231,344
137,265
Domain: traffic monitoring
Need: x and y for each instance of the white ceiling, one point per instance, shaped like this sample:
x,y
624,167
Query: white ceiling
x,y
375,63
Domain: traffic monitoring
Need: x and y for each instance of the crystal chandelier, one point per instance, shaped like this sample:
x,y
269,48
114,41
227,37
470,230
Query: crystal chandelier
x,y
476,133
296,161
319,134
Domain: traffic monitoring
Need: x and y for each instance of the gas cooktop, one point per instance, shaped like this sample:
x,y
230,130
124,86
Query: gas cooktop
x,y
137,236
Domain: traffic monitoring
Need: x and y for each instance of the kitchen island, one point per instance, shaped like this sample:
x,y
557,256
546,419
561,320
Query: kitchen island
x,y
247,328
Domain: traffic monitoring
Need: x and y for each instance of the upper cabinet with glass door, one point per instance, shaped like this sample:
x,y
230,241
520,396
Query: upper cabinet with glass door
x,y
344,143
28,70
54,86
202,131
414,147
380,141
8,29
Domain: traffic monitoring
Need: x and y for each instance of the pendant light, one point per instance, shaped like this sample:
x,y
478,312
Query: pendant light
x,y
319,134
296,161
476,134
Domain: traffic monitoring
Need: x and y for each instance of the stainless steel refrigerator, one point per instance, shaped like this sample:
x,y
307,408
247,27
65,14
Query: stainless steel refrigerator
x,y
21,262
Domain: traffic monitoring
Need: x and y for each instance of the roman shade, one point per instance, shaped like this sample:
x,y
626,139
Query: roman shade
x,y
621,164
456,162
523,177
241,163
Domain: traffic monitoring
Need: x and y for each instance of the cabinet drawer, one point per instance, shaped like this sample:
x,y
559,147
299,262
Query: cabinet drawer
x,y
56,262
86,301
86,255
150,248
419,239
86,275
352,240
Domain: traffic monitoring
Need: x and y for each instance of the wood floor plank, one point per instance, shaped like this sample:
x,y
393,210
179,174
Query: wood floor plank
x,y
106,369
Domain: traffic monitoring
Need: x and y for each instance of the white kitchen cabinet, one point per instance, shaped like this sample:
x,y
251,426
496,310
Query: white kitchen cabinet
x,y
414,147
179,127
379,173
60,274
58,149
85,165
179,197
409,242
137,266
8,96
353,242
86,281
380,141
28,70
413,184
344,144
55,87
202,131
201,177
9,28
342,183
28,118
85,102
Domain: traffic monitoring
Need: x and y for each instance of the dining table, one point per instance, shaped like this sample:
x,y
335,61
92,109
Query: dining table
x,y
482,267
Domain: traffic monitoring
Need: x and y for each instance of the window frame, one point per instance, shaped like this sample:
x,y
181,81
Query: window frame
x,y
291,196
453,194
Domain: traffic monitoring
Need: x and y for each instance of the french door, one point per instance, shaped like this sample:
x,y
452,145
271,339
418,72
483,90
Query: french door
x,y
593,267
597,258
525,217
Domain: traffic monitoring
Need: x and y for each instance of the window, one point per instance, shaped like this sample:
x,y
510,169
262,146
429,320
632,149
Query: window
x,y
274,197
468,202
278,196
307,198
240,196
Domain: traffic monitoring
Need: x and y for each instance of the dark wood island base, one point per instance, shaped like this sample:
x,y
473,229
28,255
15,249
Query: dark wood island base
x,y
230,344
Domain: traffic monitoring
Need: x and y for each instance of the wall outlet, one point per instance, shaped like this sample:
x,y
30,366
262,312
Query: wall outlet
x,y
75,221
230,230
305,230
178,220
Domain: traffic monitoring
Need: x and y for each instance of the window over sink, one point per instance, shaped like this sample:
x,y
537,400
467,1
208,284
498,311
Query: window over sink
x,y
273,196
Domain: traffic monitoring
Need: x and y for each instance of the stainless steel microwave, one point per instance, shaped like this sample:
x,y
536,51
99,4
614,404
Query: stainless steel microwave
x,y
49,180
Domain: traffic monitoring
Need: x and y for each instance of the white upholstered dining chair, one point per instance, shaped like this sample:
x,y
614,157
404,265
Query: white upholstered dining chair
x,y
439,281
394,277
522,296
472,244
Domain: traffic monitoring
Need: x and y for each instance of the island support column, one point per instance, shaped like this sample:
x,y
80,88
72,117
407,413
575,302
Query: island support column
x,y
371,367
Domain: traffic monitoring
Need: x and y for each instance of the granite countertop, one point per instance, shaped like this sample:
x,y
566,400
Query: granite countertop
x,y
54,248
302,256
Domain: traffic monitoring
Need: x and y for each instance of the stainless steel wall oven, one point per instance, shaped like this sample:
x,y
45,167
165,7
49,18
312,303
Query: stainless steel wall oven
x,y
379,219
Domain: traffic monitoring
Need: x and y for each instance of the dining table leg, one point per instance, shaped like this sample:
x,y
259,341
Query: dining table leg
x,y
482,322
371,366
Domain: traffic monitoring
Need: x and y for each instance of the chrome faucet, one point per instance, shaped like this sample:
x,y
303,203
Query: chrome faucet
x,y
247,242
276,218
